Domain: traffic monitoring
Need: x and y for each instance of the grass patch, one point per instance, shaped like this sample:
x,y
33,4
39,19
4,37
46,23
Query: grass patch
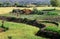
x,y
19,31
31,16
53,29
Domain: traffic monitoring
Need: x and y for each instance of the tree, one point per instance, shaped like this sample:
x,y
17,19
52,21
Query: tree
x,y
1,4
16,4
54,3
6,4
58,1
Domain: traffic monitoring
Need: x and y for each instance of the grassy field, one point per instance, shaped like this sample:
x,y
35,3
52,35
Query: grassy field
x,y
19,31
4,10
32,17
24,31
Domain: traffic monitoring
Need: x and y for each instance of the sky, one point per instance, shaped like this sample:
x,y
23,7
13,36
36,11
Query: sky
x,y
46,1
26,0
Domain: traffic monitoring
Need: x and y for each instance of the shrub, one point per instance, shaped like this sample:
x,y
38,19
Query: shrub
x,y
10,19
35,11
17,11
25,20
9,37
40,12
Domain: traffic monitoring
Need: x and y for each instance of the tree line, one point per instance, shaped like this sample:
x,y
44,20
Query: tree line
x,y
9,4
54,3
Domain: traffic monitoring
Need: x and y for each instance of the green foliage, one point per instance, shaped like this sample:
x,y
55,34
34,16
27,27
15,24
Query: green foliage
x,y
54,3
16,4
36,11
53,29
9,4
9,37
52,13
1,4
49,9
6,4
20,31
40,12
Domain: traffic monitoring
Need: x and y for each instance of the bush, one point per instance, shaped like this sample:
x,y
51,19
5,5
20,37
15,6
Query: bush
x,y
5,28
9,37
40,12
10,19
35,11
16,10
25,20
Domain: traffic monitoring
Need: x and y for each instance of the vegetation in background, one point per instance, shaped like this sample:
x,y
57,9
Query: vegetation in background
x,y
52,13
35,11
54,3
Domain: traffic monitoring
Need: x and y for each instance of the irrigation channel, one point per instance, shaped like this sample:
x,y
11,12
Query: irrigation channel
x,y
42,32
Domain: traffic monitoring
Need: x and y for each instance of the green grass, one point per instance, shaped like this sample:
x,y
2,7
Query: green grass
x,y
24,31
39,17
55,12
53,29
19,31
